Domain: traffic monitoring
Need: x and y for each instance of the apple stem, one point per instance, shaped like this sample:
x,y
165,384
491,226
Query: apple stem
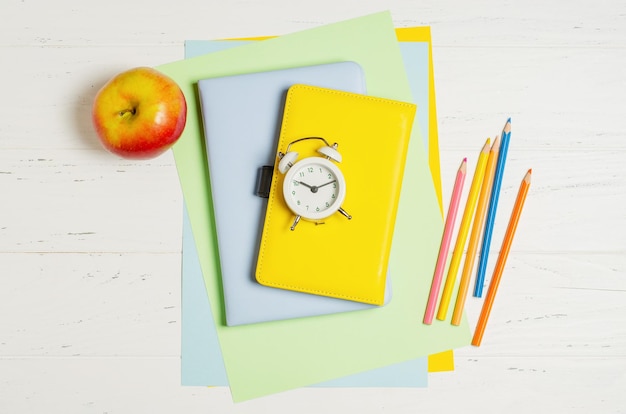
x,y
131,111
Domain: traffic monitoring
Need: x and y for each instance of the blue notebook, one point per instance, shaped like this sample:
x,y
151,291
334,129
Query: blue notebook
x,y
242,116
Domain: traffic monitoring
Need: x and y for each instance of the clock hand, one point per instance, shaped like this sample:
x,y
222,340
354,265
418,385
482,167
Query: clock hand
x,y
312,187
330,182
304,184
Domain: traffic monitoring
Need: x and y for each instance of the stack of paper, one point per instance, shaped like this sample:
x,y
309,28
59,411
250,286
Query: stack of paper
x,y
348,348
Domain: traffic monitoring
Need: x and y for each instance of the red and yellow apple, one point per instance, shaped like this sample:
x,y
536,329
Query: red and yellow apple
x,y
139,113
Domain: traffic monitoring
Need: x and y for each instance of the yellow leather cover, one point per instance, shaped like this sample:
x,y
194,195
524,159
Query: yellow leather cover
x,y
341,258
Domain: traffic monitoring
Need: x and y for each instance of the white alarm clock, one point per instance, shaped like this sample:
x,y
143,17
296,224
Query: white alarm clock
x,y
314,187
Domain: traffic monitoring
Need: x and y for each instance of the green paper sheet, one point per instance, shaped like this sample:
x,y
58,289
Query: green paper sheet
x,y
267,358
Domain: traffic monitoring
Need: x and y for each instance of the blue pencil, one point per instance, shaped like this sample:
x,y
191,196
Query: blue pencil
x,y
491,211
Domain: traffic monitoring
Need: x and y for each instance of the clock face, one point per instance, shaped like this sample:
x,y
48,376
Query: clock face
x,y
314,188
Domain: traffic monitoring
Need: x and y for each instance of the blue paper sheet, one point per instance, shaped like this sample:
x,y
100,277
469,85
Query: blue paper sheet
x,y
202,363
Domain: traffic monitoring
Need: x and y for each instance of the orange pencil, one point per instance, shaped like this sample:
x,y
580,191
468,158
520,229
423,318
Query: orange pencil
x,y
504,252
477,228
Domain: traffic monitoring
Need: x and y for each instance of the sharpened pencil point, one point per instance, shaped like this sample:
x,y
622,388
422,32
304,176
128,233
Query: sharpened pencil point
x,y
496,144
463,166
507,127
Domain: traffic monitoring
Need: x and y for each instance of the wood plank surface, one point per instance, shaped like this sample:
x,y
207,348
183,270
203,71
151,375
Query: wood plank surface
x,y
90,243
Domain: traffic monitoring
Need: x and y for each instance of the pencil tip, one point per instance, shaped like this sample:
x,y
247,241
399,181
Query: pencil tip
x,y
496,143
487,145
528,175
507,127
465,159
508,121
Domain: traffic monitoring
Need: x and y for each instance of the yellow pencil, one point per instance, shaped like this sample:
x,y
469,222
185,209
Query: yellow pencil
x,y
470,205
477,229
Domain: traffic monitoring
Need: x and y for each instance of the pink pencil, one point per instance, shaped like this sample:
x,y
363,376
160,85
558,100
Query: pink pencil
x,y
445,243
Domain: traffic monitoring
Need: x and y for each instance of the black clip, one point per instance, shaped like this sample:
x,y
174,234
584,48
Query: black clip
x,y
264,181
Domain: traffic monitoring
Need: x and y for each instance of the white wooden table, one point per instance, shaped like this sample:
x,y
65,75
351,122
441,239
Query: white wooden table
x,y
90,244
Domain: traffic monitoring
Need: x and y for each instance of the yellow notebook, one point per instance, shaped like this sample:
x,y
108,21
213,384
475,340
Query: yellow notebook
x,y
345,254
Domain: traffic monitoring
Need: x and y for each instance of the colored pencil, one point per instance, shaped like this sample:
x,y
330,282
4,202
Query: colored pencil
x,y
504,253
459,246
491,212
477,227
445,243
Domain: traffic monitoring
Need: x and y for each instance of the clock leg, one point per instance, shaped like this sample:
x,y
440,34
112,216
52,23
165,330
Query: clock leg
x,y
295,223
342,211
